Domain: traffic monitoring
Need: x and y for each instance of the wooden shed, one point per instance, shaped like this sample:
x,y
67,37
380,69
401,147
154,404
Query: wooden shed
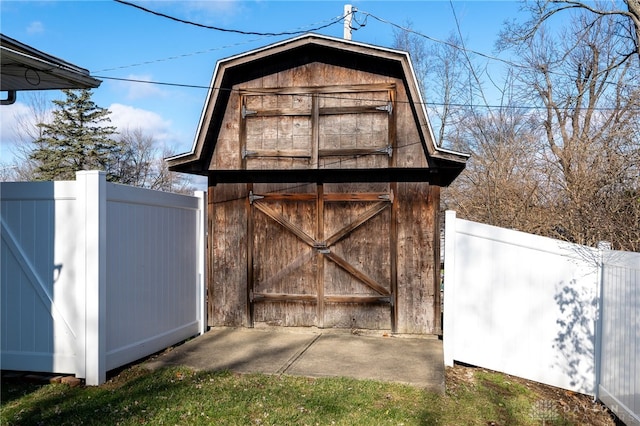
x,y
324,189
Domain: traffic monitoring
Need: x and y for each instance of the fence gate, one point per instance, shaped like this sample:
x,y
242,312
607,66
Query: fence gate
x,y
322,258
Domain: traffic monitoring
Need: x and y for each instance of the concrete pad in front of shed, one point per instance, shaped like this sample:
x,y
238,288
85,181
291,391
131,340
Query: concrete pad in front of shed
x,y
237,349
412,361
320,353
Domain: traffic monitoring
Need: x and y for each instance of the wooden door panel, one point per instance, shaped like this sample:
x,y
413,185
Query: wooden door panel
x,y
357,316
286,314
357,273
366,249
322,259
284,268
283,247
277,131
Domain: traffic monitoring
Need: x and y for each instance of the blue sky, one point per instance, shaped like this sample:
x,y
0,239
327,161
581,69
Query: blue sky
x,y
114,40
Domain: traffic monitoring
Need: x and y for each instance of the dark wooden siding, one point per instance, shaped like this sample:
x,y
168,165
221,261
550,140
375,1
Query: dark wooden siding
x,y
379,263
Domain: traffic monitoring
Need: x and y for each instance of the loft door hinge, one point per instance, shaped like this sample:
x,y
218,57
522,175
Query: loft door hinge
x,y
246,153
387,150
245,112
386,197
388,107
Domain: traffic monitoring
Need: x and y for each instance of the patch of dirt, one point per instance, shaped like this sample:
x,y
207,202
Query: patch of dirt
x,y
551,404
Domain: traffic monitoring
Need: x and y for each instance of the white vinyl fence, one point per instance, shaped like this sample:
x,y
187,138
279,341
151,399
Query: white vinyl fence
x,y
545,310
95,275
619,372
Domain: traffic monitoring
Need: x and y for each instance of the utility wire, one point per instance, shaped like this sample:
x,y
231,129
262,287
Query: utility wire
x,y
227,30
436,40
300,30
329,96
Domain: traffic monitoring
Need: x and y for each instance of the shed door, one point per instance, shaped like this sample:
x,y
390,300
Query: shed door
x,y
322,258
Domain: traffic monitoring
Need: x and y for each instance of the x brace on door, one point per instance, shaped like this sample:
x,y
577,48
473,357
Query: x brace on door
x,y
324,246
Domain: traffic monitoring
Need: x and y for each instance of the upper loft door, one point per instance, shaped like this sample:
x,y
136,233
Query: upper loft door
x,y
332,127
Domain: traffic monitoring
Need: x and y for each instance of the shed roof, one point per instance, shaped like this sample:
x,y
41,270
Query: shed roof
x,y
24,68
300,51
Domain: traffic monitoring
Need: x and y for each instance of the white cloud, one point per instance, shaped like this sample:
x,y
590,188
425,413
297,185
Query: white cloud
x,y
35,27
127,117
10,118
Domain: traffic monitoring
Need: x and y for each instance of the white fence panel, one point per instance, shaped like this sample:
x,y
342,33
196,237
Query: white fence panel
x,y
520,304
39,325
96,275
619,386
153,271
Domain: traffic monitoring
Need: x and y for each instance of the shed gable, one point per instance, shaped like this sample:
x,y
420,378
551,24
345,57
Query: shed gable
x,y
306,109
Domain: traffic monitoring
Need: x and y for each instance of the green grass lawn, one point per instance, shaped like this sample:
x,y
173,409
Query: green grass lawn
x,y
182,397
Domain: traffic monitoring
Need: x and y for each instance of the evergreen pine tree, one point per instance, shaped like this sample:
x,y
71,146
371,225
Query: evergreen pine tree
x,y
76,139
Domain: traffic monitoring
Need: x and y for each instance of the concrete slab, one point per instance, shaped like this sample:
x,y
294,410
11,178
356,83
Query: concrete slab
x,y
241,350
417,362
319,353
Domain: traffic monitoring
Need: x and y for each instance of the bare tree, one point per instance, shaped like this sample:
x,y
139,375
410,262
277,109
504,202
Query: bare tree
x,y
560,155
506,179
443,78
625,16
141,163
591,101
27,130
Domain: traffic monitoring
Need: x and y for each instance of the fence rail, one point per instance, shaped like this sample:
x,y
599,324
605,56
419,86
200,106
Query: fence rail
x,y
546,310
95,275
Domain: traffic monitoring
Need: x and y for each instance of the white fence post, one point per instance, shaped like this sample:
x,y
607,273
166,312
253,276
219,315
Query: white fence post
x,y
91,257
201,253
448,331
597,362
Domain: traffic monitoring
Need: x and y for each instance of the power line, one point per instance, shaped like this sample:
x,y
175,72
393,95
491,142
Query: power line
x,y
227,30
330,96
299,30
447,43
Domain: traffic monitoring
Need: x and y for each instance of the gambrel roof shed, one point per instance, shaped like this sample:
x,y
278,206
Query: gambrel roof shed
x,y
324,189
441,166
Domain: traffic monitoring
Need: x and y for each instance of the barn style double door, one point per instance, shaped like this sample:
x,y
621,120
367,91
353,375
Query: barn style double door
x,y
322,255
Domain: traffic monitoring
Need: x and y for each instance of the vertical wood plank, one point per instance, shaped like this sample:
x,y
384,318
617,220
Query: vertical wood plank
x,y
211,213
434,200
393,129
393,261
250,278
242,139
319,256
315,131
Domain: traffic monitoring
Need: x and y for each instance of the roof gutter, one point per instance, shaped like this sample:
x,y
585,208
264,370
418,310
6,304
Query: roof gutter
x,y
77,77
